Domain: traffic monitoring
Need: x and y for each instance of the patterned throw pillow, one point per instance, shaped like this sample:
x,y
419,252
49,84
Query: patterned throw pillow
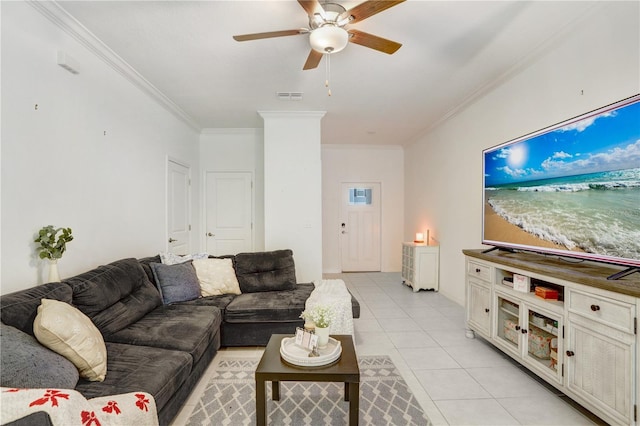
x,y
216,277
67,331
174,259
176,283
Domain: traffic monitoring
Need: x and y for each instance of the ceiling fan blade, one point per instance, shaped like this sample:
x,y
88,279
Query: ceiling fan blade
x,y
368,8
313,60
373,42
258,36
311,6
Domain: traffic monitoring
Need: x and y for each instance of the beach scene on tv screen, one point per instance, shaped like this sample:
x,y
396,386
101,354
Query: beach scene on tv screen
x,y
573,187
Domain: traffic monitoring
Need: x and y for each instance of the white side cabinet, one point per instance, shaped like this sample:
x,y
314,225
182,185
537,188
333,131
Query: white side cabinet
x,y
585,343
421,266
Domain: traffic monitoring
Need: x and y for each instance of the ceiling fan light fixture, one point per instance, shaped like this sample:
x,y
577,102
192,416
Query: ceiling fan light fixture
x,y
329,39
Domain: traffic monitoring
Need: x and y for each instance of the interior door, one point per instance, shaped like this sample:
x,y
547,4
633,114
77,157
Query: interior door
x,y
360,227
178,210
229,212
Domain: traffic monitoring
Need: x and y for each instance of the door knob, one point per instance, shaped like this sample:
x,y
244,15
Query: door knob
x,y
209,234
171,240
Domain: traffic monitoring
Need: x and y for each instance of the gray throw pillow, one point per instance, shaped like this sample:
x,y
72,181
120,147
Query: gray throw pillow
x,y
176,283
25,363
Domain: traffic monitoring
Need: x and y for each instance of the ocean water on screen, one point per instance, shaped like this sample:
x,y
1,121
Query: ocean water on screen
x,y
598,212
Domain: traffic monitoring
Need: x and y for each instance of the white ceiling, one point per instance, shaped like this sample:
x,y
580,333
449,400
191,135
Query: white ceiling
x,y
453,51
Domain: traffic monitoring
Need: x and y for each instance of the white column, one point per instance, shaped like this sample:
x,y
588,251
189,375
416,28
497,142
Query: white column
x,y
293,188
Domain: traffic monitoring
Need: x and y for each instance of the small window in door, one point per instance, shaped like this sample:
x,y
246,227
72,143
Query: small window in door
x,y
359,196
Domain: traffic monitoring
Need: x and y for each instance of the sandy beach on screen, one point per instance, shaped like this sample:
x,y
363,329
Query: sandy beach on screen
x,y
498,229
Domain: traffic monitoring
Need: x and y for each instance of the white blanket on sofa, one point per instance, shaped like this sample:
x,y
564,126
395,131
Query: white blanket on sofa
x,y
67,407
334,293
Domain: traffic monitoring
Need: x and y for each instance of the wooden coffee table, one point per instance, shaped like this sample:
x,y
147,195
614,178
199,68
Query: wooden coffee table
x,y
272,368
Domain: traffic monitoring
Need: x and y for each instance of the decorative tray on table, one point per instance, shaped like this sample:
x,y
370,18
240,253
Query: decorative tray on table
x,y
291,353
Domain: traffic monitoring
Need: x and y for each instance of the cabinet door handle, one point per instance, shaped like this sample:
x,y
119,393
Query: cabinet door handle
x,y
524,331
171,240
478,270
518,328
595,308
570,353
486,310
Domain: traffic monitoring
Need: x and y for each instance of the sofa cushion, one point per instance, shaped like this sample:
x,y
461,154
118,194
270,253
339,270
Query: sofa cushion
x,y
114,295
131,368
219,302
273,306
25,363
67,331
265,271
20,308
216,277
146,262
176,283
178,327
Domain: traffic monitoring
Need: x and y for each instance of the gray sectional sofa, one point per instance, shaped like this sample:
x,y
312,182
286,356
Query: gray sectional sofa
x,y
163,349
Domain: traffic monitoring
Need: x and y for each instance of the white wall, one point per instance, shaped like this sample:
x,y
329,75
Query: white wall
x,y
59,167
358,163
235,150
293,188
443,169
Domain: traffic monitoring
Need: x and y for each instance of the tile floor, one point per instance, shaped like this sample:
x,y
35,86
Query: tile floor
x,y
458,381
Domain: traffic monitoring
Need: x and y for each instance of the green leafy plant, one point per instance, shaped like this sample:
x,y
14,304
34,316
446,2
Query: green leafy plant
x,y
321,315
53,242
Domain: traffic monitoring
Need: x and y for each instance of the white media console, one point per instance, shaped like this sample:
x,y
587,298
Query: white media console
x,y
585,343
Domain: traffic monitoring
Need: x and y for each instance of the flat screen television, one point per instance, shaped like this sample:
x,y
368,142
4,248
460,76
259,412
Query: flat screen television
x,y
570,189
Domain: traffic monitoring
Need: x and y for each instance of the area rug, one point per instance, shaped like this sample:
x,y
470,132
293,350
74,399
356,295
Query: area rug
x,y
385,398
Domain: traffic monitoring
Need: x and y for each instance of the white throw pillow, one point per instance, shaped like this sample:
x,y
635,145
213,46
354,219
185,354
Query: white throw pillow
x,y
67,331
216,277
174,259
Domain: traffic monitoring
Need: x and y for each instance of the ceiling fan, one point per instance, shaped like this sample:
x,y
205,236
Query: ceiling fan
x,y
327,29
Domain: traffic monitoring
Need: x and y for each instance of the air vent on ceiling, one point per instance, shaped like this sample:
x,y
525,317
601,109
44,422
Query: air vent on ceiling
x,y
289,96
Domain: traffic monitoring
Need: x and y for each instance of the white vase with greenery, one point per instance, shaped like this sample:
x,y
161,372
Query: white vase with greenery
x,y
52,245
321,316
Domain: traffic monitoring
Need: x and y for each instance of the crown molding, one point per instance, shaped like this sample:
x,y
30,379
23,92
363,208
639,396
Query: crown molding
x,y
60,17
367,147
231,131
290,114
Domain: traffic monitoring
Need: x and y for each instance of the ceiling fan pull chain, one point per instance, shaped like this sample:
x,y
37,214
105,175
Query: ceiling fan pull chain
x,y
328,73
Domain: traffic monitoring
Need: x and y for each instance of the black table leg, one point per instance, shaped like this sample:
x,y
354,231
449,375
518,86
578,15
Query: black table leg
x,y
261,403
354,403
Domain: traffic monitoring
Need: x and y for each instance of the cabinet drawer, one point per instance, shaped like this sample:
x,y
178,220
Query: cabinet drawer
x,y
602,309
479,270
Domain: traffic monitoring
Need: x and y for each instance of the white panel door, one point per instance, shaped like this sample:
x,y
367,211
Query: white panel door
x,y
229,212
360,227
178,211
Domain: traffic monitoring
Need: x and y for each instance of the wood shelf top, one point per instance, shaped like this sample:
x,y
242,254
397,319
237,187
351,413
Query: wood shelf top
x,y
588,273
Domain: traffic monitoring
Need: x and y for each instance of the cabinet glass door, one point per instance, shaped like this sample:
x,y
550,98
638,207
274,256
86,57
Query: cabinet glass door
x,y
542,341
508,328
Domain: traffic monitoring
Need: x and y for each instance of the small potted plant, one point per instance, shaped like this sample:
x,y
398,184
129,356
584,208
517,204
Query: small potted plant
x,y
321,316
52,245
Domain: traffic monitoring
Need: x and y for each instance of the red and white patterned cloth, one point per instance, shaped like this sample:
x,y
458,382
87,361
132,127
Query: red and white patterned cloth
x,y
68,407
